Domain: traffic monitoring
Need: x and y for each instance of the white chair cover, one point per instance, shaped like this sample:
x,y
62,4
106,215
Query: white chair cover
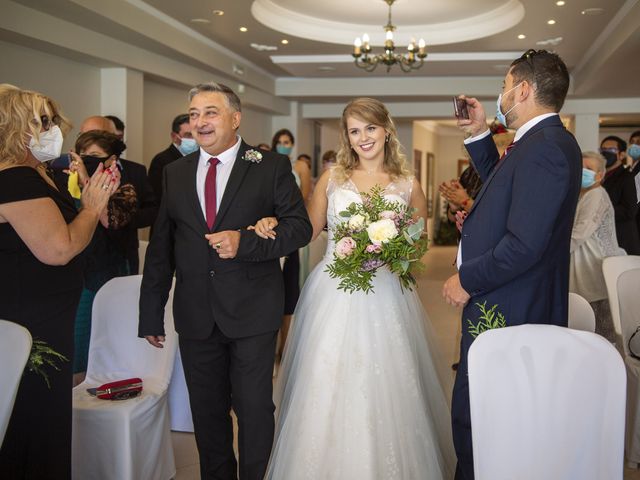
x,y
15,346
547,402
612,267
629,301
581,315
129,439
142,253
179,407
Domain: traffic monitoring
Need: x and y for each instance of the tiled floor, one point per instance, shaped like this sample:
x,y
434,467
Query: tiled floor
x,y
445,321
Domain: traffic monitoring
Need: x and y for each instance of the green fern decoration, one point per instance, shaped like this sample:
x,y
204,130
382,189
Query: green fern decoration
x,y
488,320
41,356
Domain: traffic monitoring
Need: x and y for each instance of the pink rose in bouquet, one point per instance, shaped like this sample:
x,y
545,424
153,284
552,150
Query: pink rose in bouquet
x,y
345,247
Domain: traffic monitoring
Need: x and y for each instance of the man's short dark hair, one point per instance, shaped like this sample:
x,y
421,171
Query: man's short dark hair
x,y
304,156
547,72
179,120
622,145
634,135
117,122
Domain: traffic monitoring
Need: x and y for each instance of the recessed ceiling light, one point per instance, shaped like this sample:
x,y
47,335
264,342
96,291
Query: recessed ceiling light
x,y
284,41
592,11
243,29
326,69
264,48
200,20
551,22
522,36
560,3
218,13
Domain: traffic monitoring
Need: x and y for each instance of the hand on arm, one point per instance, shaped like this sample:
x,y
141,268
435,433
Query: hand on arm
x,y
264,227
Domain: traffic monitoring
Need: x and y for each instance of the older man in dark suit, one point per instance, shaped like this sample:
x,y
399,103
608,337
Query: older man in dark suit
x,y
229,294
514,251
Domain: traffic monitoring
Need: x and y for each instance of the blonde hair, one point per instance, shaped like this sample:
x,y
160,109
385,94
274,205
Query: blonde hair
x,y
598,160
373,112
20,112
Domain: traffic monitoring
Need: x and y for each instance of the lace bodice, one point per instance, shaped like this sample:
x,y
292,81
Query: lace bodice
x,y
341,195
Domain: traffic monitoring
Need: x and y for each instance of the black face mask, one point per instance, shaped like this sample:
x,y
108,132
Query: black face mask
x,y
610,155
91,163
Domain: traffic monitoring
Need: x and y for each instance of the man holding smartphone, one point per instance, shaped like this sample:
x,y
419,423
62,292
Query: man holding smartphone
x,y
514,251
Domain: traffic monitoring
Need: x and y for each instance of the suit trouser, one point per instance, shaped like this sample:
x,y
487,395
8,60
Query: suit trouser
x,y
461,418
222,373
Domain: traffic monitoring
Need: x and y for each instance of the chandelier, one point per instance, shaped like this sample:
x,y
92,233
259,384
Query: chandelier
x,y
406,62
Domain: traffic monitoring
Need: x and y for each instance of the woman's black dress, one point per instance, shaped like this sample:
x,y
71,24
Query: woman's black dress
x,y
43,299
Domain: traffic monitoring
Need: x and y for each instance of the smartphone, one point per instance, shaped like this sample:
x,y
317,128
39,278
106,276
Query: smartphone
x,y
61,163
460,108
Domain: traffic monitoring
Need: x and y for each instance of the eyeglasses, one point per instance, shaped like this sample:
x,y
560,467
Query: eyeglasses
x,y
47,122
528,57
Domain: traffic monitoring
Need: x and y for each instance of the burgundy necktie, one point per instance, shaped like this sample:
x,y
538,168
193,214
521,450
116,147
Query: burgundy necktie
x,y
210,192
506,150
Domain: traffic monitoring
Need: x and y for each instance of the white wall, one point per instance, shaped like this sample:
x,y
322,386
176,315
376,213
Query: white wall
x,y
75,86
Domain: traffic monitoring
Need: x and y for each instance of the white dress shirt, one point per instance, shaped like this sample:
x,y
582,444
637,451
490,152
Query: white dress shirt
x,y
227,160
519,133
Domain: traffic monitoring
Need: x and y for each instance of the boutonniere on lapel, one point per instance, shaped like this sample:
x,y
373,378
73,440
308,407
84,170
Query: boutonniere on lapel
x,y
488,320
252,156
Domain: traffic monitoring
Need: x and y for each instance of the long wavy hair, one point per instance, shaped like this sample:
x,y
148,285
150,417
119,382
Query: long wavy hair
x,y
374,112
20,113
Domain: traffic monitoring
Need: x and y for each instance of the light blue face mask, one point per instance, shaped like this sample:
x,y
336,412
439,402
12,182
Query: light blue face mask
x,y
634,151
588,178
284,150
502,117
187,146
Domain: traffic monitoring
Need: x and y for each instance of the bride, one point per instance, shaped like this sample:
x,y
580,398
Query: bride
x,y
357,395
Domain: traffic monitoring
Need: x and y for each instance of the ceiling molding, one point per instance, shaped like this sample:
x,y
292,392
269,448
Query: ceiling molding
x,y
273,15
433,57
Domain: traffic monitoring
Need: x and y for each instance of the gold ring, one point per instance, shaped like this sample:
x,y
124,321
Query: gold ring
x,y
217,246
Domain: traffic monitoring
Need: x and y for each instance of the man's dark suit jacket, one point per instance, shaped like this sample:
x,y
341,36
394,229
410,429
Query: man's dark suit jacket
x,y
243,296
515,244
157,166
621,187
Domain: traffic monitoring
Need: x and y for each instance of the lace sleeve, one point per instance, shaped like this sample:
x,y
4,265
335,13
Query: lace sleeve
x,y
589,216
122,206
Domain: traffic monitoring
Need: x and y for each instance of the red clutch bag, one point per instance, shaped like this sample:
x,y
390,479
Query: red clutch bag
x,y
118,390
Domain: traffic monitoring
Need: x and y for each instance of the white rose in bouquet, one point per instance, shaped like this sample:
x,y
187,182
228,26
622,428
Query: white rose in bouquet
x,y
357,222
382,231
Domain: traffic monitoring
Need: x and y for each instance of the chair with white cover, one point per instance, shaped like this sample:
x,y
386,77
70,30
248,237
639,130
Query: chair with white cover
x,y
612,267
581,315
15,346
128,439
179,407
629,302
547,402
142,253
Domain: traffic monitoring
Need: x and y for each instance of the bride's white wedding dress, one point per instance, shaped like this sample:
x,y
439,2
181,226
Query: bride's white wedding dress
x,y
357,395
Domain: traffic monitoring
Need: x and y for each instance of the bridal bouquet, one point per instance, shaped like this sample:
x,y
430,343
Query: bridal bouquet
x,y
377,233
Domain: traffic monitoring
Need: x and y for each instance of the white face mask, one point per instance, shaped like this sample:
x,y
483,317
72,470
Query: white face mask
x,y
49,146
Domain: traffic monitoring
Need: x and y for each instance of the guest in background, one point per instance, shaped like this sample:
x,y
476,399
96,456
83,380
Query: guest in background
x,y
283,142
182,143
620,185
634,152
593,239
107,256
147,208
41,237
328,160
118,124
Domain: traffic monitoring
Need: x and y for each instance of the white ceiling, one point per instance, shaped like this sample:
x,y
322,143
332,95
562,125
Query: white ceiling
x,y
601,51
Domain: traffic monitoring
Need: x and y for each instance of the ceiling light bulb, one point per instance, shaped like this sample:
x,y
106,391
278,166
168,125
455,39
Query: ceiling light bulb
x,y
365,39
422,43
389,35
560,3
522,36
551,22
243,29
284,41
357,42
